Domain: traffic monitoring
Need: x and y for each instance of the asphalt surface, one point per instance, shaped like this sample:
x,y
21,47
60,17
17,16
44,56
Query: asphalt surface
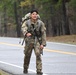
x,y
57,59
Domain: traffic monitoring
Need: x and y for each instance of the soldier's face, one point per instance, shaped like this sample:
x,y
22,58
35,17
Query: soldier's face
x,y
34,16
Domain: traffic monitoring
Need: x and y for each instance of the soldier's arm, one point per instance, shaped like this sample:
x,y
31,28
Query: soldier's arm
x,y
24,28
43,30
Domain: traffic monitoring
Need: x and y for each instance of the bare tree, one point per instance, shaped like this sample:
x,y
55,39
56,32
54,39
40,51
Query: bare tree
x,y
5,21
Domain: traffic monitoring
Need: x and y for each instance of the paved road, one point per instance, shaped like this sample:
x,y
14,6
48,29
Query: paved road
x,y
58,59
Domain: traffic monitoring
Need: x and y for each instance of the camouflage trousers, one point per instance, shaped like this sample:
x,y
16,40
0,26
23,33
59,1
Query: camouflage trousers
x,y
28,52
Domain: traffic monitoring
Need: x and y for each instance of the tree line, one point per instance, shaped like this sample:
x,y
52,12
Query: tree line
x,y
59,16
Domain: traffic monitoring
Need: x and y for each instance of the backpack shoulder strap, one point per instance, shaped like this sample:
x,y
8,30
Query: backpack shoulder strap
x,y
28,23
39,23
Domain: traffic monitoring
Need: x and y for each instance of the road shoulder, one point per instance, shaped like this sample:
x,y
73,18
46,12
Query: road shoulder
x,y
2,72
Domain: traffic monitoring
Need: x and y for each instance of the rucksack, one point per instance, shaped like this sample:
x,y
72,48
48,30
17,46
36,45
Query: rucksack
x,y
27,17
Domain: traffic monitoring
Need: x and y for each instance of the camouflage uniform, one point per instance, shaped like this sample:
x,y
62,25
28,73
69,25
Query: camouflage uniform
x,y
32,43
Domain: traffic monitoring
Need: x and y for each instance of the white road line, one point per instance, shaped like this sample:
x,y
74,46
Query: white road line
x,y
16,66
62,44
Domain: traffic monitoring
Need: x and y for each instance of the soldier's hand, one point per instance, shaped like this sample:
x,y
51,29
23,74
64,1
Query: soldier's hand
x,y
28,34
41,46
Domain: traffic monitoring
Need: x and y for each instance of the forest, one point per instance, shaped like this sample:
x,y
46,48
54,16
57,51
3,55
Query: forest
x,y
59,16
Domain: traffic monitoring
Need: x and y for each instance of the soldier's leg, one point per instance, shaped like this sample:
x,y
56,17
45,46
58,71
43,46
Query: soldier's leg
x,y
38,58
27,52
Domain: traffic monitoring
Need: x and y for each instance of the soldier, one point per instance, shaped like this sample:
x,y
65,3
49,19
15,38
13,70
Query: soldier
x,y
35,39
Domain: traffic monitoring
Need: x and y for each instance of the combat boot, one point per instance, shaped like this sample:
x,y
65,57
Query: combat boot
x,y
39,73
25,71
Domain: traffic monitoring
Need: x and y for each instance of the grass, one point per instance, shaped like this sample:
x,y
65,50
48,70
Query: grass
x,y
69,39
3,72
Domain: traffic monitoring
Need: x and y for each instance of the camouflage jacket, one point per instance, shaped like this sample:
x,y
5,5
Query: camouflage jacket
x,y
39,26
